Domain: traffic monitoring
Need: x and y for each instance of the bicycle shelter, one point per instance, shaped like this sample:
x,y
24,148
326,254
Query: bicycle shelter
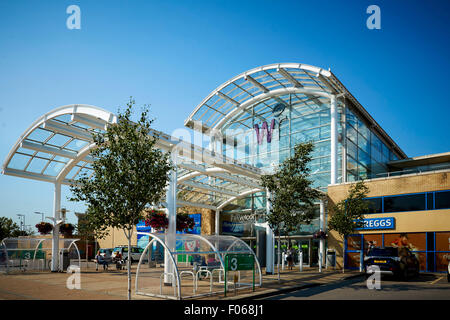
x,y
35,254
194,267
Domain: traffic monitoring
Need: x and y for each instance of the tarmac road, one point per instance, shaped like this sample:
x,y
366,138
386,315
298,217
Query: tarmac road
x,y
423,287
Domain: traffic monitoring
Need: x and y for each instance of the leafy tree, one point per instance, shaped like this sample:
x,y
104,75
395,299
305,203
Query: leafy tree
x,y
293,196
348,214
130,173
10,229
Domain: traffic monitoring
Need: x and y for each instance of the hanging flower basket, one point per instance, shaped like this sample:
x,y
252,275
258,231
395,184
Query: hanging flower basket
x,y
157,220
184,222
66,229
44,228
320,235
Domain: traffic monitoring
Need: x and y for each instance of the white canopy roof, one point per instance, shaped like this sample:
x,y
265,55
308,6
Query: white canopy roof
x,y
56,148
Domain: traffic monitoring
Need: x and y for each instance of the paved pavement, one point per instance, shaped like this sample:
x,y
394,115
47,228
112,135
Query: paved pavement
x,y
112,285
424,287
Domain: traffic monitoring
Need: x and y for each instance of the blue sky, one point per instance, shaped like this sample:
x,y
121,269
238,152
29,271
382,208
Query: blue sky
x,y
171,54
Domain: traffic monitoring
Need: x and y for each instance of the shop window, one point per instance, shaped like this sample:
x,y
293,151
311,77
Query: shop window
x,y
353,259
422,257
412,202
375,205
442,259
354,242
442,199
376,239
430,203
413,241
443,241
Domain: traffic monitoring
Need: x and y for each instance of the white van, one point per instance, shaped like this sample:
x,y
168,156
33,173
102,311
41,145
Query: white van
x,y
136,252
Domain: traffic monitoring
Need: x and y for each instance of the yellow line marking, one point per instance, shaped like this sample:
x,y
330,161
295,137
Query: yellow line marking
x,y
436,280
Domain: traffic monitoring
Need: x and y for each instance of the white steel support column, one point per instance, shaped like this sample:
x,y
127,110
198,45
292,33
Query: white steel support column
x,y
270,240
171,201
344,141
217,222
56,217
334,139
322,228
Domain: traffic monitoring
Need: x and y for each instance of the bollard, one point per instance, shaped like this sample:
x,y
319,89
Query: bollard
x,y
361,261
320,261
283,258
300,261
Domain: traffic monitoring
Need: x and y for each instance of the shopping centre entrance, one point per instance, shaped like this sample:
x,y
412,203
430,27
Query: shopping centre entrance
x,y
307,245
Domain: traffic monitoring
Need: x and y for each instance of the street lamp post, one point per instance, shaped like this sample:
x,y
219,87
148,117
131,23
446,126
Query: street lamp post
x,y
22,223
42,219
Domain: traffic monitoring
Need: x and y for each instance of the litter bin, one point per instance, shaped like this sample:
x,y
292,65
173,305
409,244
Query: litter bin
x,y
331,258
65,260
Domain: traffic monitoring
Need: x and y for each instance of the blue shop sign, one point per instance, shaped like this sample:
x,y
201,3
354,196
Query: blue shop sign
x,y
378,223
232,228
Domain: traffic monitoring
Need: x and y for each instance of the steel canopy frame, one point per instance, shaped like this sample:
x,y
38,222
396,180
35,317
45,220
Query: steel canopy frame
x,y
56,148
272,81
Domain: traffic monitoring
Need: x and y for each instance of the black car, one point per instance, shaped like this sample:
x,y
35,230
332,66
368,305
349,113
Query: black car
x,y
399,262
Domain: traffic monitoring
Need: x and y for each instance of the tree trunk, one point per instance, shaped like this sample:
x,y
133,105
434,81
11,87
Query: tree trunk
x,y
279,253
130,232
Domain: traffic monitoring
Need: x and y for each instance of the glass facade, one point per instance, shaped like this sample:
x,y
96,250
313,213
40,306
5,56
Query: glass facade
x,y
266,133
302,122
432,249
367,155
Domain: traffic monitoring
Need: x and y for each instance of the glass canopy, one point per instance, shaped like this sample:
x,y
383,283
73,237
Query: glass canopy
x,y
195,266
56,148
26,254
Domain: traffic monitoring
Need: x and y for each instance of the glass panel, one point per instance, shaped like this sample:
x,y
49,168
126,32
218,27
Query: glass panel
x,y
39,135
375,205
354,242
353,259
352,134
58,140
37,165
413,241
376,240
363,130
413,202
19,161
363,143
430,205
442,259
53,168
442,200
443,241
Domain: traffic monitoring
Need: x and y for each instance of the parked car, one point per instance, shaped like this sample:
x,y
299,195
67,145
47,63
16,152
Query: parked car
x,y
106,253
136,252
399,262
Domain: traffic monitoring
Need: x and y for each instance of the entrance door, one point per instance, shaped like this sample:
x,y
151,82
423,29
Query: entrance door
x,y
304,246
314,252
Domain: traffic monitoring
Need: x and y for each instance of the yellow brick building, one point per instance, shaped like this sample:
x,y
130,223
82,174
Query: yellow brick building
x,y
427,228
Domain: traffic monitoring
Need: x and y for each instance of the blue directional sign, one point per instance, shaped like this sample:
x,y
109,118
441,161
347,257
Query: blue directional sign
x,y
378,223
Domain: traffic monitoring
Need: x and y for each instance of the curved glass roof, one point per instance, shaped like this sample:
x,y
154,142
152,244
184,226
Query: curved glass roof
x,y
56,148
258,92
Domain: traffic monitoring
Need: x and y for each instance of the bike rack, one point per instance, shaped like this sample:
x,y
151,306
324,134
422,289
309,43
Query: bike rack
x,y
194,282
160,283
210,278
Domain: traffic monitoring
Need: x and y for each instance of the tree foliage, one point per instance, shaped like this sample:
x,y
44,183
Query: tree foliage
x,y
129,174
293,196
348,214
10,229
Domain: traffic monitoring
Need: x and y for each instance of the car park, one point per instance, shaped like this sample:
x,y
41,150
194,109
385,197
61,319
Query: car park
x,y
398,262
136,252
106,253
